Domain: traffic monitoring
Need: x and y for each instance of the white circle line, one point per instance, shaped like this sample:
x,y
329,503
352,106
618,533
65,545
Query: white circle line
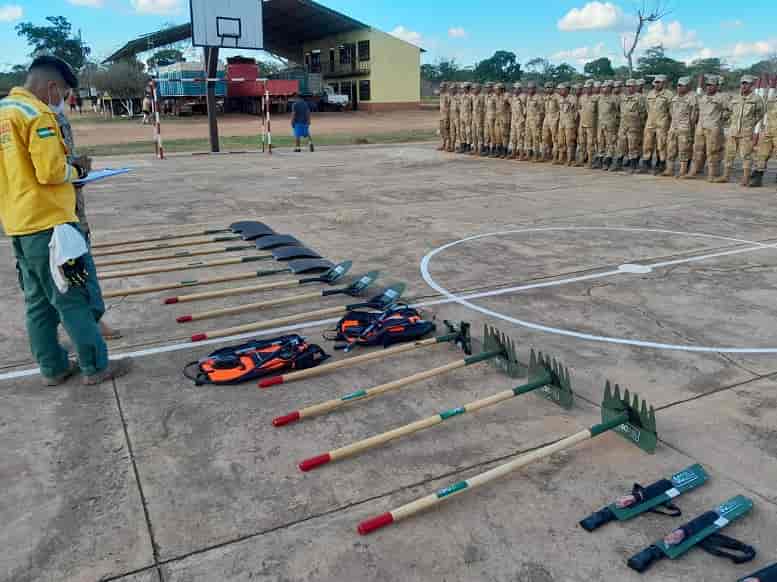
x,y
464,300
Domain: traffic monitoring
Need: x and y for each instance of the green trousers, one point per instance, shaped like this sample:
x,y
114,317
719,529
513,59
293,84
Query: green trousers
x,y
78,310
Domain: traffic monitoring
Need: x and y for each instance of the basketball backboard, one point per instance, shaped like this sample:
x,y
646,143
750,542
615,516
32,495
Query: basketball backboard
x,y
227,23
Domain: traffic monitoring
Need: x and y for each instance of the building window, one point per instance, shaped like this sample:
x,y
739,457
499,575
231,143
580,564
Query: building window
x,y
331,60
335,87
364,90
315,62
345,55
364,50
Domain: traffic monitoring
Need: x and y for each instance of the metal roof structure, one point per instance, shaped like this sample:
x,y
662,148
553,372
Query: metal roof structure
x,y
288,24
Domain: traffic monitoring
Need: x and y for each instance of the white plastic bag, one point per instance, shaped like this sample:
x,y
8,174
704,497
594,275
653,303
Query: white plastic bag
x,y
66,244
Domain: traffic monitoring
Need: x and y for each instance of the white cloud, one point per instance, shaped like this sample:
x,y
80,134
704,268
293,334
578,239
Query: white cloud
x,y
407,35
762,48
90,3
583,54
672,36
156,6
10,12
732,23
457,32
593,16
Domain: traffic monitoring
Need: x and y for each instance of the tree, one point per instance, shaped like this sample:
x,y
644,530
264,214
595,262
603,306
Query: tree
x,y
648,12
655,62
502,67
125,80
56,40
564,73
600,68
707,67
765,67
13,78
165,57
430,73
268,68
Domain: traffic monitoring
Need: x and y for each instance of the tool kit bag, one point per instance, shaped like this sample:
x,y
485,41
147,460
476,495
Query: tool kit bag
x,y
370,328
255,359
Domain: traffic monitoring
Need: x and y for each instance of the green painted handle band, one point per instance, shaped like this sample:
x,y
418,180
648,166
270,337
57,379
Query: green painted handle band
x,y
598,429
237,248
223,238
451,489
540,382
254,259
450,337
485,356
215,231
452,412
271,272
354,395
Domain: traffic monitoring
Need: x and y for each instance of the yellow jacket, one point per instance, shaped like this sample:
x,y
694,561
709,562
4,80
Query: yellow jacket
x,y
36,190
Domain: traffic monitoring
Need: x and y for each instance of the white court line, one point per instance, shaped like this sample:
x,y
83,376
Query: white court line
x,y
464,299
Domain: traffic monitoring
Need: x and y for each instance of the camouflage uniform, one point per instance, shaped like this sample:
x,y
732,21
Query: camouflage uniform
x,y
445,116
455,135
632,113
685,115
517,122
768,145
478,120
586,137
608,121
708,139
504,116
746,112
491,107
550,124
465,118
567,126
535,114
657,124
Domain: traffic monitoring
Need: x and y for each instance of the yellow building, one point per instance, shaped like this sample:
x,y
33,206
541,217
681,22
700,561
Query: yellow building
x,y
379,72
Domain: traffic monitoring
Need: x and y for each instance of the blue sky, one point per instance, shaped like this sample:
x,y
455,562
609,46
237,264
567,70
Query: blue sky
x,y
573,31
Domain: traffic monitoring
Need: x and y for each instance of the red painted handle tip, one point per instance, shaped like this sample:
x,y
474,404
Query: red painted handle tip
x,y
313,462
184,319
288,419
171,300
198,337
269,382
371,525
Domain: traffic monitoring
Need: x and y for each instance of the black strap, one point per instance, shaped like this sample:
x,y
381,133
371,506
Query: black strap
x,y
643,494
717,543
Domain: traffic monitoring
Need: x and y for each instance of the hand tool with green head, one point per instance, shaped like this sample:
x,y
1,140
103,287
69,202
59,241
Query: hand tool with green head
x,y
248,230
380,302
457,334
657,498
281,254
545,374
628,418
497,348
300,267
355,289
702,532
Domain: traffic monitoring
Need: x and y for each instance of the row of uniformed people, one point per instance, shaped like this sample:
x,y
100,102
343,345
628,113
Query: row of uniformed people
x,y
615,125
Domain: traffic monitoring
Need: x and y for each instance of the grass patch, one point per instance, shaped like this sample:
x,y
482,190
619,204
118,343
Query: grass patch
x,y
255,143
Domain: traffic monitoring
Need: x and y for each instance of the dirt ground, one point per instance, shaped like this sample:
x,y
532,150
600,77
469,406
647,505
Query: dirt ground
x,y
90,131
151,479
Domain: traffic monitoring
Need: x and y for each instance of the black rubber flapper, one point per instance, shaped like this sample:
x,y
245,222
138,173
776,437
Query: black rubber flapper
x,y
291,253
598,519
768,574
252,230
277,240
646,558
306,266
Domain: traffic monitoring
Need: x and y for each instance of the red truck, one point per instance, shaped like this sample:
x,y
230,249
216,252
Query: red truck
x,y
246,90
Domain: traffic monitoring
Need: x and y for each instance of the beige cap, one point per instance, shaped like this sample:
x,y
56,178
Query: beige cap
x,y
532,85
617,84
631,82
577,86
607,83
748,79
518,85
640,82
659,79
712,79
563,86
589,83
684,81
499,86
549,85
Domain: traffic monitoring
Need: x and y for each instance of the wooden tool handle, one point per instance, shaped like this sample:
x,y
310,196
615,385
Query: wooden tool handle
x,y
232,292
347,362
164,246
381,439
267,324
167,257
148,239
248,307
169,269
178,285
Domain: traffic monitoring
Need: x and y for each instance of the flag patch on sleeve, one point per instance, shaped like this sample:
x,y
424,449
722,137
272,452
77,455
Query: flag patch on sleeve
x,y
45,132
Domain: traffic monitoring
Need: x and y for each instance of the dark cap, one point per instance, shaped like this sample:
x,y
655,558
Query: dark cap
x,y
52,62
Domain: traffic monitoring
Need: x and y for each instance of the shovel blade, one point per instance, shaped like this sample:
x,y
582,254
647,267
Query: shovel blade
x,y
277,240
305,266
251,230
291,253
362,284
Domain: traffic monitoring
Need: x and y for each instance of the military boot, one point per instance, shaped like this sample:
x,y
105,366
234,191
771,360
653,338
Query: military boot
x,y
747,171
757,180
657,167
606,164
617,165
492,152
712,171
570,157
668,169
632,166
646,167
683,170
693,172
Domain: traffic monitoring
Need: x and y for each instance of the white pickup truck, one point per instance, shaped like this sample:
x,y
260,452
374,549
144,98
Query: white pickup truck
x,y
330,100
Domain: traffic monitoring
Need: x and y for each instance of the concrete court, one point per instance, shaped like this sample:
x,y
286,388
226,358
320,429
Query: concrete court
x,y
151,479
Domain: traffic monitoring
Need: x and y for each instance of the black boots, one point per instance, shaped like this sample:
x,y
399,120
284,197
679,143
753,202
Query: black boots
x,y
757,179
606,164
646,167
617,165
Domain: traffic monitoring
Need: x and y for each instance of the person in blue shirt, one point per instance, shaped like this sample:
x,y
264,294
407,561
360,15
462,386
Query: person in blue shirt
x,y
300,123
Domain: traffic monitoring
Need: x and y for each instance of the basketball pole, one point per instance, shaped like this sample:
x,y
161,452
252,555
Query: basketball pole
x,y
160,150
212,64
269,127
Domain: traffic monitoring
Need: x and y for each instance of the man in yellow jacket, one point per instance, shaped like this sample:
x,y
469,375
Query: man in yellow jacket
x,y
36,195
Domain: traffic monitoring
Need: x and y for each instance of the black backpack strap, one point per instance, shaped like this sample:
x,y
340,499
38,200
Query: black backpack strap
x,y
723,546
